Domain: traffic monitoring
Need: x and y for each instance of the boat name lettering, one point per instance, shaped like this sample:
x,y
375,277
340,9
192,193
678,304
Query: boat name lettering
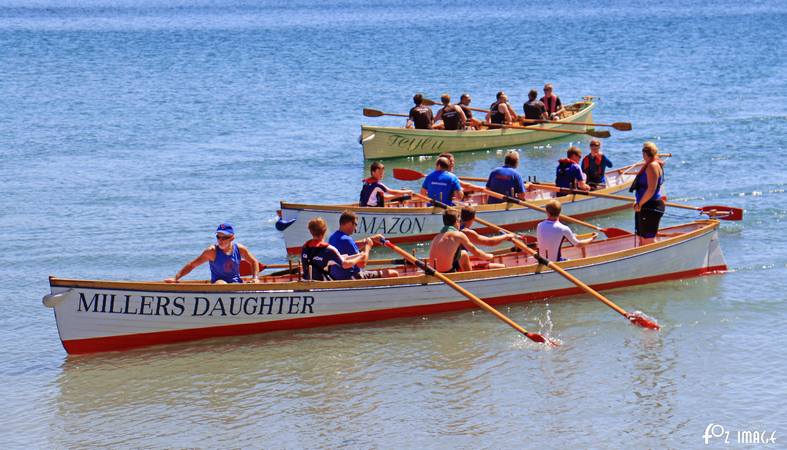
x,y
161,305
390,226
415,143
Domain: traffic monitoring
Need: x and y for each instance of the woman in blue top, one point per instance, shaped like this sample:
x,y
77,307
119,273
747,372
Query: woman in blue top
x,y
224,259
649,205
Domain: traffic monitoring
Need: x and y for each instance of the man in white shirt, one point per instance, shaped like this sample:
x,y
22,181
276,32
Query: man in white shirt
x,y
551,233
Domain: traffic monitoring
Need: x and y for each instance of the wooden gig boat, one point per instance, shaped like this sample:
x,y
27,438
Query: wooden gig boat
x,y
414,221
95,316
392,142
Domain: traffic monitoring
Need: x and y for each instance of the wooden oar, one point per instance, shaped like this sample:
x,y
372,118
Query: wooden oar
x,y
636,318
368,112
597,134
535,337
716,212
411,175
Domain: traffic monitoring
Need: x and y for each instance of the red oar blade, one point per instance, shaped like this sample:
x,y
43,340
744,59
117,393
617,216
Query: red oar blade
x,y
407,174
642,319
535,337
723,212
616,232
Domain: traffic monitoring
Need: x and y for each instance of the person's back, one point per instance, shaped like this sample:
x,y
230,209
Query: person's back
x,y
442,185
345,245
451,119
316,257
568,174
551,234
506,180
444,251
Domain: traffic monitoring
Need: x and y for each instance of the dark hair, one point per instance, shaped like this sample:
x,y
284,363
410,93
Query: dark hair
x,y
347,216
512,159
500,94
450,217
376,166
418,98
317,227
445,99
464,96
573,150
443,163
532,94
553,208
467,213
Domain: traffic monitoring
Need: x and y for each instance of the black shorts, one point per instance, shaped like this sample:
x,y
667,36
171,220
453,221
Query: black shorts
x,y
646,221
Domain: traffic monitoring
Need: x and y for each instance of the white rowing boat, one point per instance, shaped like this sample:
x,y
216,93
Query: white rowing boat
x,y
95,316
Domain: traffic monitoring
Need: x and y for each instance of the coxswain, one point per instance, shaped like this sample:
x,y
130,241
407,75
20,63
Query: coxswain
x,y
420,115
441,184
453,116
594,165
506,180
501,112
448,251
317,256
347,247
374,192
535,111
568,173
552,103
224,259
550,234
464,103
649,205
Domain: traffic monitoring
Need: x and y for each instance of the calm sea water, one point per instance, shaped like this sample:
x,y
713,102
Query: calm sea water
x,y
129,129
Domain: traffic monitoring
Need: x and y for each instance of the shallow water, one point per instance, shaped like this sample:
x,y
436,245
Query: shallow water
x,y
130,129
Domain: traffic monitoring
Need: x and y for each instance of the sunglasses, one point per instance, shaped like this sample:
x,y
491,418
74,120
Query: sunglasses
x,y
595,145
223,237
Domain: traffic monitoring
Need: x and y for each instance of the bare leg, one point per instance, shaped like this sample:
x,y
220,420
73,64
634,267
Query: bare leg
x,y
464,262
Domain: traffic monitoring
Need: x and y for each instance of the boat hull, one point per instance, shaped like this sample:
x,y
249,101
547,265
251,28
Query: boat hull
x,y
393,142
95,316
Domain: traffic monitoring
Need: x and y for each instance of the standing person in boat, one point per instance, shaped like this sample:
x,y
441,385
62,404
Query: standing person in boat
x,y
501,112
317,255
551,234
375,193
464,103
506,180
448,251
594,165
568,173
347,247
453,116
649,205
224,258
442,185
534,109
552,103
420,116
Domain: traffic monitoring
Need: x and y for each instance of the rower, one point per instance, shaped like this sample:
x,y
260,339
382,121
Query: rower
x,y
568,173
448,250
420,115
552,103
467,216
317,255
347,247
594,165
501,111
453,116
551,234
464,103
506,180
224,259
442,185
534,109
373,192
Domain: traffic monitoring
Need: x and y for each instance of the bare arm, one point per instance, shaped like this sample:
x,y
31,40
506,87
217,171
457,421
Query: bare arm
x,y
209,254
462,116
465,241
248,256
459,195
487,241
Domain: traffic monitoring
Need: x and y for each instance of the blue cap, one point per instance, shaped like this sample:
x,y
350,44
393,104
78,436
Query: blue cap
x,y
225,228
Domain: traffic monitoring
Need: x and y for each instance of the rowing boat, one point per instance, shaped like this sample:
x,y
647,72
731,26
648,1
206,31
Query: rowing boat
x,y
94,315
391,142
414,221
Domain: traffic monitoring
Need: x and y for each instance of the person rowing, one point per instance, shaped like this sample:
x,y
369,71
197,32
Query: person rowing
x,y
534,109
594,165
347,247
317,256
506,180
568,174
550,234
441,184
552,103
448,251
420,115
467,217
453,116
224,259
374,192
501,112
464,103
649,205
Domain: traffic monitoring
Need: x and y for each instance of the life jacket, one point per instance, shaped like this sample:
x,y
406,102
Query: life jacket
x,y
496,116
562,177
594,168
550,103
422,117
369,185
314,269
468,112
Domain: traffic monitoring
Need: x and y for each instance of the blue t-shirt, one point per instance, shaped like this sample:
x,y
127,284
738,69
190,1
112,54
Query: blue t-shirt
x,y
504,180
346,246
567,173
440,185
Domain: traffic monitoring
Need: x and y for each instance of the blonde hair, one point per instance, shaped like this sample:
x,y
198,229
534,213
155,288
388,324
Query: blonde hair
x,y
553,208
650,149
318,227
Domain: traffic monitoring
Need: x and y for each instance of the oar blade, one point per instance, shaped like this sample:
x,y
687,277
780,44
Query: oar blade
x,y
535,337
603,134
406,174
643,320
368,112
723,212
616,232
428,102
622,126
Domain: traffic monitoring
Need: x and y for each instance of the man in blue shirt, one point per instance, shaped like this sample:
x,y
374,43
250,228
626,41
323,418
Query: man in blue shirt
x,y
442,185
568,173
349,250
506,180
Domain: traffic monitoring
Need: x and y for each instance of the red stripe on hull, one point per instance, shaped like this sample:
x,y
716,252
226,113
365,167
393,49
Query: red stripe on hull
x,y
102,344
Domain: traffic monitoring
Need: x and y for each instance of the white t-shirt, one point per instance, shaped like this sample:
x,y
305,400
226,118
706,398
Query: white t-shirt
x,y
550,234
